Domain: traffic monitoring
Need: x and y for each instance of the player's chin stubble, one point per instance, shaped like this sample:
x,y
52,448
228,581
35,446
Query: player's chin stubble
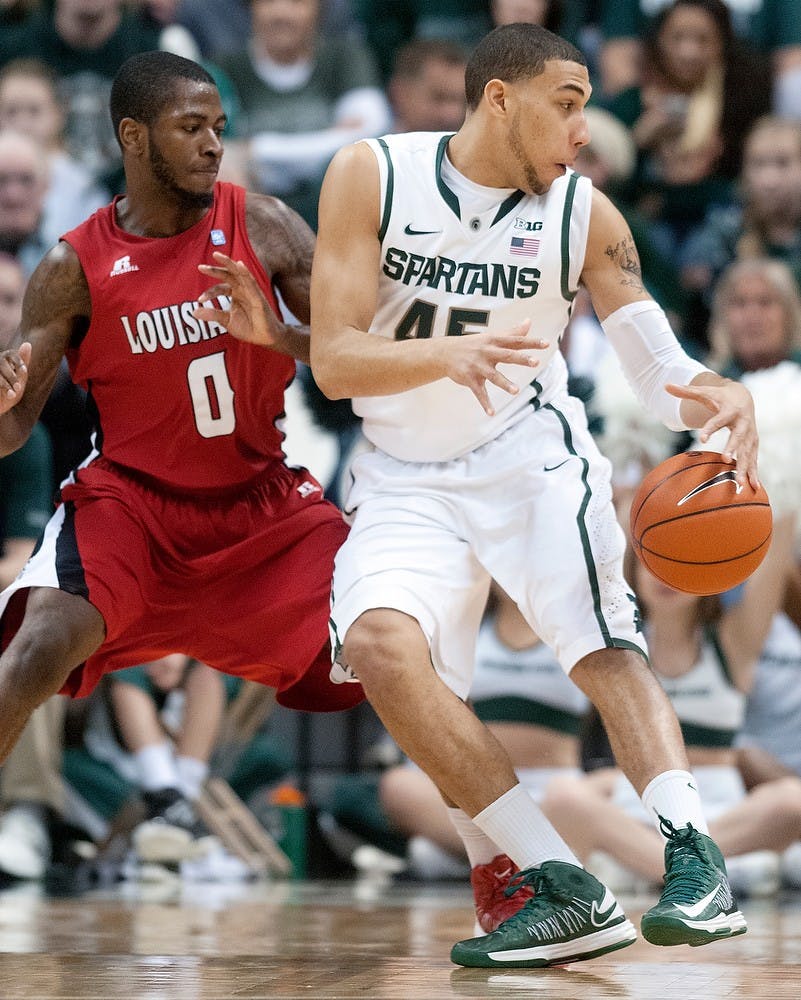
x,y
533,182
165,175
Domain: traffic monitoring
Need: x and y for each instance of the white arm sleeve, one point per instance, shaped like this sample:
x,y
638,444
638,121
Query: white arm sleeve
x,y
651,357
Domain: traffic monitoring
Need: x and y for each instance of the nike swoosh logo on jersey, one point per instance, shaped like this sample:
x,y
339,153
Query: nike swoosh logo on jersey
x,y
598,917
420,232
697,908
721,477
552,468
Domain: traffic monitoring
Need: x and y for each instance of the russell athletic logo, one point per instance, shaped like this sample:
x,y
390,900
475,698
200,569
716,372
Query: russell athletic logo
x,y
122,266
722,477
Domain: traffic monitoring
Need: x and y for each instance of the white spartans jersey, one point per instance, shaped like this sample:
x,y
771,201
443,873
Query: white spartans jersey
x,y
451,266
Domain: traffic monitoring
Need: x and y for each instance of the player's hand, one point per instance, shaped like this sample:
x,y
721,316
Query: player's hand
x,y
731,406
250,317
13,375
473,359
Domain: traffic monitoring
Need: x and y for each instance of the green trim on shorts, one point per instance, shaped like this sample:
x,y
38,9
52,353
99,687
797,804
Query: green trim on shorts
x,y
589,561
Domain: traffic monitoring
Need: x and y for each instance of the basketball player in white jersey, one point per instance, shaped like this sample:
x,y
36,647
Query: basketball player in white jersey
x,y
443,279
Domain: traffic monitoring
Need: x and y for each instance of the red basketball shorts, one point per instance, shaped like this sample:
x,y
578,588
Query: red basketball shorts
x,y
240,583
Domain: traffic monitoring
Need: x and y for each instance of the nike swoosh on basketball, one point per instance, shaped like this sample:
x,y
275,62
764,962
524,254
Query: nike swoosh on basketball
x,y
551,468
597,917
697,908
420,232
722,477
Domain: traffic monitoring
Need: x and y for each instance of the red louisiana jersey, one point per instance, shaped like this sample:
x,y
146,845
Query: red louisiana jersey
x,y
176,399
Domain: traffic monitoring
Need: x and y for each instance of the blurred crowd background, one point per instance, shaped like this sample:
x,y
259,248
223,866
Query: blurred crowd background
x,y
695,123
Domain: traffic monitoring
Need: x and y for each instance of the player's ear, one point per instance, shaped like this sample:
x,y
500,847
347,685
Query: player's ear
x,y
495,95
132,136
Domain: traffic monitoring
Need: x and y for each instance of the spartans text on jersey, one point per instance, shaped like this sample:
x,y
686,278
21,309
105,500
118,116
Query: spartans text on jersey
x,y
461,277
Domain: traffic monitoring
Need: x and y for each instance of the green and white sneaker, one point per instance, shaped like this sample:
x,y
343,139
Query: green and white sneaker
x,y
571,917
696,905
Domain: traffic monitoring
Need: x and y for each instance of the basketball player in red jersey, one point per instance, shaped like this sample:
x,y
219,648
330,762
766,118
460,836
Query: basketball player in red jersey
x,y
184,530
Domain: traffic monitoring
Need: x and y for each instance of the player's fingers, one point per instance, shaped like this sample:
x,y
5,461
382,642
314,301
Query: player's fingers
x,y
481,394
209,315
518,358
222,289
499,379
697,393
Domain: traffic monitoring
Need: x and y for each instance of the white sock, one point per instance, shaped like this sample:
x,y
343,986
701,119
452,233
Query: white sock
x,y
191,775
674,796
480,849
519,827
155,766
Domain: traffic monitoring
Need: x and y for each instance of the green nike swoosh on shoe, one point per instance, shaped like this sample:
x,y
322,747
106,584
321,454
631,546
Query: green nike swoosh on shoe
x,y
696,906
571,917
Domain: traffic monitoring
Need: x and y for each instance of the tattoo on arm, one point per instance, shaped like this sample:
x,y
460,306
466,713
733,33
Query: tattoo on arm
x,y
624,255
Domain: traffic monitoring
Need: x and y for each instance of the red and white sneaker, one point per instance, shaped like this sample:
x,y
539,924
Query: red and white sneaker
x,y
490,882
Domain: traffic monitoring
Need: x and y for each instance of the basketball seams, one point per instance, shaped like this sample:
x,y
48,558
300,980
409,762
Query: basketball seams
x,y
699,557
667,478
709,562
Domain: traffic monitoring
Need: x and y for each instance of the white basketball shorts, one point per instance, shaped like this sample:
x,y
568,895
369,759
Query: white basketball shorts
x,y
531,509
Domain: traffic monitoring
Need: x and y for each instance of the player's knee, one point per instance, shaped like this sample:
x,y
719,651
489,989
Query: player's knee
x,y
34,662
380,641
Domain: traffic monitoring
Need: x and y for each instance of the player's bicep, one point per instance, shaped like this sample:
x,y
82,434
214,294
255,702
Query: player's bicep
x,y
612,274
284,242
344,286
55,308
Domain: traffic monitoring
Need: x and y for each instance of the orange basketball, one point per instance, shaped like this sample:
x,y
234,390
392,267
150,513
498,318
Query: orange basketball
x,y
695,527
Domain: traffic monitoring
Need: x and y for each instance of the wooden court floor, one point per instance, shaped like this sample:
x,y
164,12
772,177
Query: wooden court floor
x,y
336,940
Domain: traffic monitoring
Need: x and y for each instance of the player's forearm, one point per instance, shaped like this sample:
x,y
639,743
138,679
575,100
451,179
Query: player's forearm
x,y
14,432
294,341
355,363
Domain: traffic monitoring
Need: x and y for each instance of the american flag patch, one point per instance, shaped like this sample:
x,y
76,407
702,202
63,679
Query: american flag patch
x,y
524,246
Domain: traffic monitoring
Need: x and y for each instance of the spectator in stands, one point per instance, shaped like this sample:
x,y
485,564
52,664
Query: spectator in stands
x,y
153,730
426,89
772,26
700,92
768,747
23,189
565,18
388,24
765,221
170,755
218,29
84,42
302,96
14,12
30,103
756,318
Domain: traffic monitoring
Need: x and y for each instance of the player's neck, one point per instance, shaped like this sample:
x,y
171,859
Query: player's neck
x,y
154,220
475,158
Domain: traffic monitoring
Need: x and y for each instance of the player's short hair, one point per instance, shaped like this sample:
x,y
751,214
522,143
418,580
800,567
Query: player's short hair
x,y
144,85
514,52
